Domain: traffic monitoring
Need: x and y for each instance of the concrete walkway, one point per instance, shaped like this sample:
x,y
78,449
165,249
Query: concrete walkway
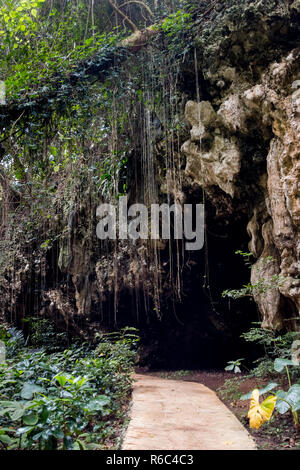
x,y
180,415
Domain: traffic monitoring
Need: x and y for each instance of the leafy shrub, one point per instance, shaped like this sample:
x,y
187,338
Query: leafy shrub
x,y
43,334
274,344
230,390
13,339
282,400
264,368
234,366
65,400
263,284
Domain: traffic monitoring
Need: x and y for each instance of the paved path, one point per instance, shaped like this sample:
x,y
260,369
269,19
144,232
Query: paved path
x,y
180,415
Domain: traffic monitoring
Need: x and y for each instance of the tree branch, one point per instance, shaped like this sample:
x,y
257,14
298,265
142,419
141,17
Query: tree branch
x,y
139,3
120,12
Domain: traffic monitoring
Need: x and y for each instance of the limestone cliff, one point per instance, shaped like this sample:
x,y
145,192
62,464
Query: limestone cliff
x,y
234,102
255,118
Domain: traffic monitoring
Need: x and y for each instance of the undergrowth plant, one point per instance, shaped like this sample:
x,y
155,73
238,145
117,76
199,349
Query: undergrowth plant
x,y
261,286
68,400
276,360
282,400
274,343
12,338
234,366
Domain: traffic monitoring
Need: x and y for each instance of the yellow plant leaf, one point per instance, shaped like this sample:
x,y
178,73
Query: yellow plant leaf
x,y
260,413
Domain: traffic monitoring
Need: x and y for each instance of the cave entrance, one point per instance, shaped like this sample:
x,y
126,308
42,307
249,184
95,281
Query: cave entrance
x,y
203,330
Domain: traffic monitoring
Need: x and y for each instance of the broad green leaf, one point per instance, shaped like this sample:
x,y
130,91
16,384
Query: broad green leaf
x,y
23,430
7,406
29,389
31,419
281,405
266,389
296,406
293,394
79,445
66,394
44,414
97,404
80,381
280,364
6,439
17,414
58,433
61,379
288,400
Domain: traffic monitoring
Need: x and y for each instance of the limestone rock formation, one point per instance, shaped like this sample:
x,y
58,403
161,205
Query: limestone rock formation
x,y
216,153
220,163
240,144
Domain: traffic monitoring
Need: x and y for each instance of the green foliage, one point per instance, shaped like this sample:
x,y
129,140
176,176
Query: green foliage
x,y
275,346
234,366
177,23
78,131
119,347
18,23
230,390
286,400
66,400
178,28
280,364
261,391
260,287
13,339
247,256
289,400
263,368
40,41
109,171
42,333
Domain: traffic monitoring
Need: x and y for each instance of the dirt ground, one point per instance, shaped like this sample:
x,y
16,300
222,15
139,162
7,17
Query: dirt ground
x,y
277,434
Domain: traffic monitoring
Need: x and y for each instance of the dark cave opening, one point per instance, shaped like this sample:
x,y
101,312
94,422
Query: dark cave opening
x,y
202,331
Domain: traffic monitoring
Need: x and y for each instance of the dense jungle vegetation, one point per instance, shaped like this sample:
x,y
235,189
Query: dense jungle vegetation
x,y
92,99
65,132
